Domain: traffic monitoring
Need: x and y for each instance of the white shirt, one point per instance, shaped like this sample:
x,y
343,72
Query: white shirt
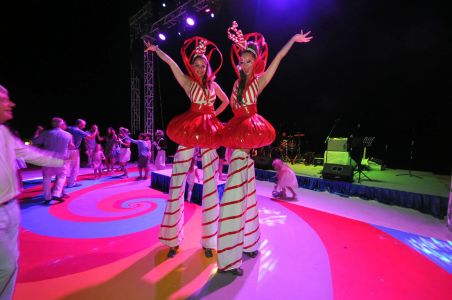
x,y
12,148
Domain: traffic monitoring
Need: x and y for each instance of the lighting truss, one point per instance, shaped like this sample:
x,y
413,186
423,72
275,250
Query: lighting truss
x,y
141,26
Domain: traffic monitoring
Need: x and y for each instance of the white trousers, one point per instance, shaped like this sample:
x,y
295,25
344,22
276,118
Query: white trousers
x,y
238,227
160,160
60,178
72,167
9,250
171,229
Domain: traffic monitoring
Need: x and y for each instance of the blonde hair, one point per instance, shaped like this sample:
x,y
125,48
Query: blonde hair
x,y
159,132
3,90
277,162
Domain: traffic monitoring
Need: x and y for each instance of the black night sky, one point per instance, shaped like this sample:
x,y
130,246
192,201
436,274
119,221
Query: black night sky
x,y
376,65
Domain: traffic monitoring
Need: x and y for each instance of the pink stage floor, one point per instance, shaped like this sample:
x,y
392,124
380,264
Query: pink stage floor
x,y
101,243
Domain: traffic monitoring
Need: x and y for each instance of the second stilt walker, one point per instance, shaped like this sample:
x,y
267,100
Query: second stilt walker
x,y
239,218
198,127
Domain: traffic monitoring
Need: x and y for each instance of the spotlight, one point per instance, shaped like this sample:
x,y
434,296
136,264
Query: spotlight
x,y
190,21
164,4
212,15
162,36
213,6
179,33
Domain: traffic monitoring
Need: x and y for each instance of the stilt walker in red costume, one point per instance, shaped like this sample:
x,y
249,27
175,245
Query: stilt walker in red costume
x,y
239,219
197,127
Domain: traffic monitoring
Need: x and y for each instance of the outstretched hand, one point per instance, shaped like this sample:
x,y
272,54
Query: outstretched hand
x,y
150,47
302,37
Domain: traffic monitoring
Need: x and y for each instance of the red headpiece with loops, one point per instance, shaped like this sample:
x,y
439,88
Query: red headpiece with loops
x,y
199,46
240,44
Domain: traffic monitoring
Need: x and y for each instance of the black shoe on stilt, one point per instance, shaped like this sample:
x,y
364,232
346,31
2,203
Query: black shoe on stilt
x,y
208,252
252,254
59,199
237,271
173,251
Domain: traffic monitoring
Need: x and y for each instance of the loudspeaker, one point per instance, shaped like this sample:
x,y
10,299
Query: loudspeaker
x,y
338,144
336,157
337,172
263,162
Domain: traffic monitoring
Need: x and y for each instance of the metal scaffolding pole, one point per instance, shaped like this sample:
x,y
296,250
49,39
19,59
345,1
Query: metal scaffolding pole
x,y
138,23
135,101
141,26
149,93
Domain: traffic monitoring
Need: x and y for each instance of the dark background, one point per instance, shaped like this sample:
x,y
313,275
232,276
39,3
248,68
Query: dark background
x,y
378,67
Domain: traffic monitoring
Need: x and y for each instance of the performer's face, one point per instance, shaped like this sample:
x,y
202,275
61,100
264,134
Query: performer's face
x,y
200,67
247,62
6,108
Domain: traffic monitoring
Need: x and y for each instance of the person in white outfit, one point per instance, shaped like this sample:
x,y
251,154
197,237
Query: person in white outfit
x,y
124,150
160,146
97,160
286,180
12,148
192,177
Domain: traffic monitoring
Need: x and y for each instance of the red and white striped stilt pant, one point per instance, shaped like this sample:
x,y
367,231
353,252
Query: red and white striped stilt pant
x,y
239,216
171,229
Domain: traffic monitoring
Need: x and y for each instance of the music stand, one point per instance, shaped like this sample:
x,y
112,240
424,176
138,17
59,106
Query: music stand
x,y
359,143
411,162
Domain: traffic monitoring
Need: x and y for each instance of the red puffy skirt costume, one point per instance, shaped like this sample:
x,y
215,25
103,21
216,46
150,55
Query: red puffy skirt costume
x,y
198,126
247,129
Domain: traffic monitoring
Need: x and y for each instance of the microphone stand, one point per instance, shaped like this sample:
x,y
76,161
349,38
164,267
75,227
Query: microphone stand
x,y
332,128
411,161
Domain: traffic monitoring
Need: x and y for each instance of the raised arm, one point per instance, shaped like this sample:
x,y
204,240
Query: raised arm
x,y
132,140
265,78
181,78
94,134
101,139
34,155
125,142
156,145
38,136
223,97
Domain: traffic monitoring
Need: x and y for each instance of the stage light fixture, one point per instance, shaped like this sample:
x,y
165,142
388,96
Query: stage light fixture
x,y
164,4
212,15
190,21
162,36
213,6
